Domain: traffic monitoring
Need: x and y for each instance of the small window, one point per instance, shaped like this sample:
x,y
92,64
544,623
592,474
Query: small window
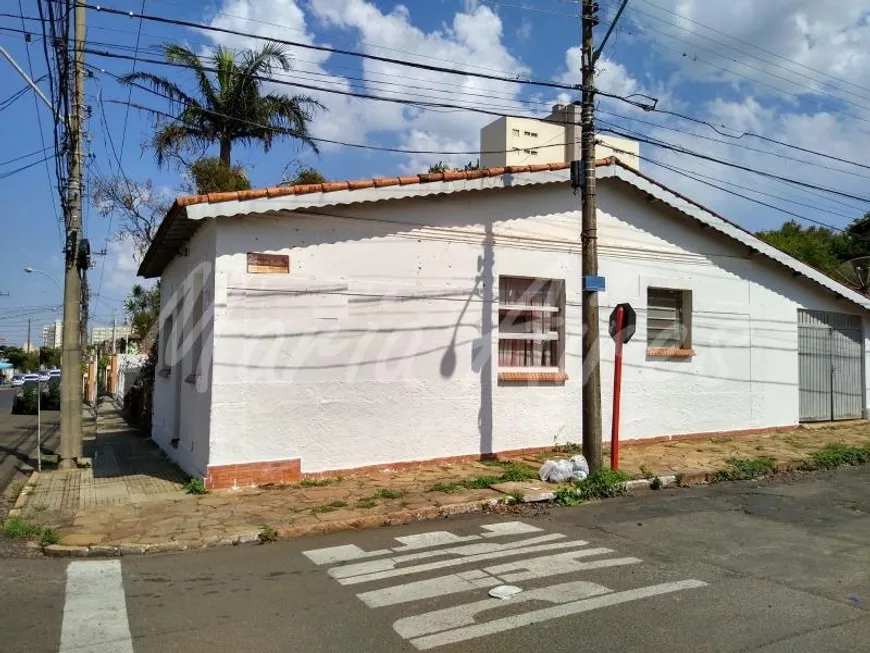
x,y
165,341
669,322
533,152
531,333
197,322
516,132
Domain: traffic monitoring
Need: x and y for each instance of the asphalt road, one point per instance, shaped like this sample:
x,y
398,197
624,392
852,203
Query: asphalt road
x,y
767,567
18,438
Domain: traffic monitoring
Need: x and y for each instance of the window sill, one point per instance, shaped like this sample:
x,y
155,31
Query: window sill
x,y
165,373
669,352
519,376
191,378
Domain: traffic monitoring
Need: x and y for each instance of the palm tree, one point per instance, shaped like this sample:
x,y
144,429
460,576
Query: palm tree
x,y
228,105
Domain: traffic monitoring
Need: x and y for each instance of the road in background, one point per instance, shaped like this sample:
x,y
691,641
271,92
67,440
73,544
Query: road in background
x,y
18,439
766,567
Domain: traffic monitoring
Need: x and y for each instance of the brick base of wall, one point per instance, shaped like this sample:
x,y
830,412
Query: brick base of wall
x,y
247,474
290,471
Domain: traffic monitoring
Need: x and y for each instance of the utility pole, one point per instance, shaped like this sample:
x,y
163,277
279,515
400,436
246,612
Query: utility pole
x,y
589,244
29,344
113,334
71,357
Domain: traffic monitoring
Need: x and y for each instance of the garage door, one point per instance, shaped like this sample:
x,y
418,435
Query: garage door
x,y
831,370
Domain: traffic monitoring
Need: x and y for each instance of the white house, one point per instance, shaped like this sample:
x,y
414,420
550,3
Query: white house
x,y
368,323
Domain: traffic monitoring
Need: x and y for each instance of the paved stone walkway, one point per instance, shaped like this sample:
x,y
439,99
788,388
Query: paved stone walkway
x,y
127,468
134,500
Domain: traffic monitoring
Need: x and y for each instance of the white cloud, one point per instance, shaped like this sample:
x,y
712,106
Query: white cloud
x,y
118,273
524,31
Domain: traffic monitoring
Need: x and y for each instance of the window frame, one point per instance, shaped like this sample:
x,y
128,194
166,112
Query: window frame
x,y
555,332
673,348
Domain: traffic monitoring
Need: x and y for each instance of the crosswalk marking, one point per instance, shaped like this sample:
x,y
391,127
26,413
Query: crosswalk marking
x,y
95,611
544,614
543,555
443,564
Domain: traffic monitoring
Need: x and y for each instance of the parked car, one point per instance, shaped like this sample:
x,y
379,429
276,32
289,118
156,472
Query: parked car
x,y
17,381
31,378
43,375
54,374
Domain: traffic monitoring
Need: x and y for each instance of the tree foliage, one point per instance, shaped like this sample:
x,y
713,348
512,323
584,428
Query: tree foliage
x,y
443,167
306,175
138,208
227,103
143,307
49,357
23,361
211,175
825,249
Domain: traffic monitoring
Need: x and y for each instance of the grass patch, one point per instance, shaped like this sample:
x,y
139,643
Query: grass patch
x,y
512,472
268,534
388,493
680,478
517,495
518,472
646,472
195,485
329,507
837,454
572,448
316,482
602,484
656,483
15,527
366,502
744,469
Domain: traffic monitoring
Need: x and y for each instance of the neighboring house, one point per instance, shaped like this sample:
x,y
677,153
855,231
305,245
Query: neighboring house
x,y
512,141
437,317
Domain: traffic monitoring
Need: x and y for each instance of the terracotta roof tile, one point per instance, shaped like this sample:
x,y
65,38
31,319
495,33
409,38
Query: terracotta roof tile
x,y
360,184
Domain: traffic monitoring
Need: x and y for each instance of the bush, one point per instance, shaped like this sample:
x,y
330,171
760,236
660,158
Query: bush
x,y
51,395
837,455
745,469
603,484
26,403
195,485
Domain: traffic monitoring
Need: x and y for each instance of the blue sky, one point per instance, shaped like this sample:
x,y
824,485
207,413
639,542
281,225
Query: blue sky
x,y
792,70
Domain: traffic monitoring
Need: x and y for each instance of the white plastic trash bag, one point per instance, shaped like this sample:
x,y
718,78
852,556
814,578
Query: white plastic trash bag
x,y
581,467
562,471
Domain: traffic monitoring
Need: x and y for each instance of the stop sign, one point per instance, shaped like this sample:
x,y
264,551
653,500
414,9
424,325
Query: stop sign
x,y
629,323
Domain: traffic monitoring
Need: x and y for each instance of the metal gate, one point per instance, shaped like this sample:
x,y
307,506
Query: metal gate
x,y
831,371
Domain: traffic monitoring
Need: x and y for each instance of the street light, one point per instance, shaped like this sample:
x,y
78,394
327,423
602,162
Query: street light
x,y
46,274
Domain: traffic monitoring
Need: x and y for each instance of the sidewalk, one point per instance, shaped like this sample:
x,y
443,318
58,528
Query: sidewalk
x,y
132,501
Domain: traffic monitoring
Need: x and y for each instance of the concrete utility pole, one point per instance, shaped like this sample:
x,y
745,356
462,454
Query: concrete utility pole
x,y
589,236
71,358
589,243
29,344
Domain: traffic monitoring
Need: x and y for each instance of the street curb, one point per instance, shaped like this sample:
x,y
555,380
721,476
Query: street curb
x,y
357,523
253,537
27,489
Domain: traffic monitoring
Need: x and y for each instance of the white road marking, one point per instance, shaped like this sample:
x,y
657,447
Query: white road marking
x,y
442,564
464,615
344,553
426,589
543,567
563,563
95,611
349,552
427,540
510,528
360,568
537,616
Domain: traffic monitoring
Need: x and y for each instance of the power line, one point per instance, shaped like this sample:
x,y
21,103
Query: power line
x,y
640,139
748,43
342,51
26,156
10,173
130,93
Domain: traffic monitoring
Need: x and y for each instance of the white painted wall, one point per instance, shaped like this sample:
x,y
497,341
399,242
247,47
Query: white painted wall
x,y
182,399
375,348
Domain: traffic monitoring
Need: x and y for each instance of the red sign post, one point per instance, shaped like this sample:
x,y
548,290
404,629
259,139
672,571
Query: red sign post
x,y
623,321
